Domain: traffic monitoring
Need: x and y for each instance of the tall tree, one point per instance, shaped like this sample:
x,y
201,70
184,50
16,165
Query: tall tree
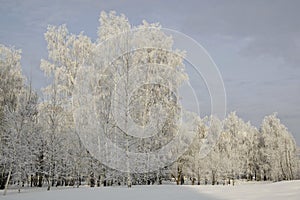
x,y
128,70
22,122
11,82
279,149
67,52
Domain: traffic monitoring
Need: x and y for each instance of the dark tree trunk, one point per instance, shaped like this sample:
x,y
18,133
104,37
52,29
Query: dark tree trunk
x,y
40,180
213,182
181,180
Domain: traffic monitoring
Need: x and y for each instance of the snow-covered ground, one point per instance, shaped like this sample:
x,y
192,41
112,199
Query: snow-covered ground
x,y
282,190
287,190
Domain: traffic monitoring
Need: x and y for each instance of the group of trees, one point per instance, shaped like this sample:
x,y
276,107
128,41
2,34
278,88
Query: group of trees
x,y
39,138
35,144
242,152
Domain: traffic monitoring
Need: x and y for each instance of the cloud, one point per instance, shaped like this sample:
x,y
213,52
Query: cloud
x,y
272,28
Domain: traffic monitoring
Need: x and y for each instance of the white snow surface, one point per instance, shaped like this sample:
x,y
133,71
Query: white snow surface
x,y
288,190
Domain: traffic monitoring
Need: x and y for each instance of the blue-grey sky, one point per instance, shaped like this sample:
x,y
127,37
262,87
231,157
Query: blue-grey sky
x,y
255,44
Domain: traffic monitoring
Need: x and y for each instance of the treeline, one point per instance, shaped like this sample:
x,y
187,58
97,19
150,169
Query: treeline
x,y
36,151
241,152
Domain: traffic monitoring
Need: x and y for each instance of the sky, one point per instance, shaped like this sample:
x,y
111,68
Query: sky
x,y
255,44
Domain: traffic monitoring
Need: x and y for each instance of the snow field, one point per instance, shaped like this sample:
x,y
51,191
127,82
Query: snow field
x,y
288,190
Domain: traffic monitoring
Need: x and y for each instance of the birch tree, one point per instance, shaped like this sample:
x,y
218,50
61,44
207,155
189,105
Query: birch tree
x,y
124,57
11,82
279,150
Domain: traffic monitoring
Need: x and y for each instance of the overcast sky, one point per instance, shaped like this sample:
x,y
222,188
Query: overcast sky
x,y
255,44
